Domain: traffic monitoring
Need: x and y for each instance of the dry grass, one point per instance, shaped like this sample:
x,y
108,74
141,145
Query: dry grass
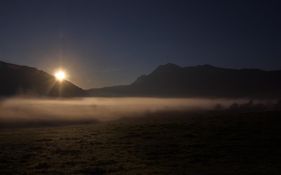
x,y
159,143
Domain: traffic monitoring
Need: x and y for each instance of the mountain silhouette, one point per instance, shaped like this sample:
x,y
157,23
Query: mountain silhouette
x,y
28,81
167,80
171,80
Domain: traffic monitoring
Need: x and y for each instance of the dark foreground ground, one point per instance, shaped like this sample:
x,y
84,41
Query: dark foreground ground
x,y
170,143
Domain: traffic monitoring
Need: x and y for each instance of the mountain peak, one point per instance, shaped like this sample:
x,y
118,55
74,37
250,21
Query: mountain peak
x,y
206,81
170,65
206,66
166,68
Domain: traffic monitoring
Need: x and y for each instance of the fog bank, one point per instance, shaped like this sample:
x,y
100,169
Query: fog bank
x,y
16,110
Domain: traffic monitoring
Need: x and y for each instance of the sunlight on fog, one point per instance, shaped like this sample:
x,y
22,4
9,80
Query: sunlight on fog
x,y
101,109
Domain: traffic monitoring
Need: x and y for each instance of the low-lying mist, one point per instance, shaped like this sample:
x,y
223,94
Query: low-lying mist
x,y
33,111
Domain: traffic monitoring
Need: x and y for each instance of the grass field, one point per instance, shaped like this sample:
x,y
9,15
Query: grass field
x,y
158,143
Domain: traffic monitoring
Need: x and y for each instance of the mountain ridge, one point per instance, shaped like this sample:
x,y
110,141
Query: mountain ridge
x,y
29,81
168,80
171,80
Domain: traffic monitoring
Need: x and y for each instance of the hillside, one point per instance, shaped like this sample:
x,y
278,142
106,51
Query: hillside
x,y
171,80
23,80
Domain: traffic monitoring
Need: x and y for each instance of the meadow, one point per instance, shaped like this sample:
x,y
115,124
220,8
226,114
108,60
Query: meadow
x,y
153,142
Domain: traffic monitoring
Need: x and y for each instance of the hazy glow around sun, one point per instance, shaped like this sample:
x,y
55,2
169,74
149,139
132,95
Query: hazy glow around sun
x,y
60,75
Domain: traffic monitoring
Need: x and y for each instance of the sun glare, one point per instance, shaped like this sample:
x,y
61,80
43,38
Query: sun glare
x,y
60,75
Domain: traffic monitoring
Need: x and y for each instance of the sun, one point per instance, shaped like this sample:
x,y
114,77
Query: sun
x,y
60,75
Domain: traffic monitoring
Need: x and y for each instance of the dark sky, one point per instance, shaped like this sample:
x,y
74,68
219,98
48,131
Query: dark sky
x,y
109,42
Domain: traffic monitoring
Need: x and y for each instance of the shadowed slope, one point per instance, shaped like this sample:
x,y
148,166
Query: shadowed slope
x,y
171,80
23,80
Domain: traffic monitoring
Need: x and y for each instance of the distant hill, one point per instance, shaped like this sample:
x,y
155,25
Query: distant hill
x,y
23,80
167,80
171,80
